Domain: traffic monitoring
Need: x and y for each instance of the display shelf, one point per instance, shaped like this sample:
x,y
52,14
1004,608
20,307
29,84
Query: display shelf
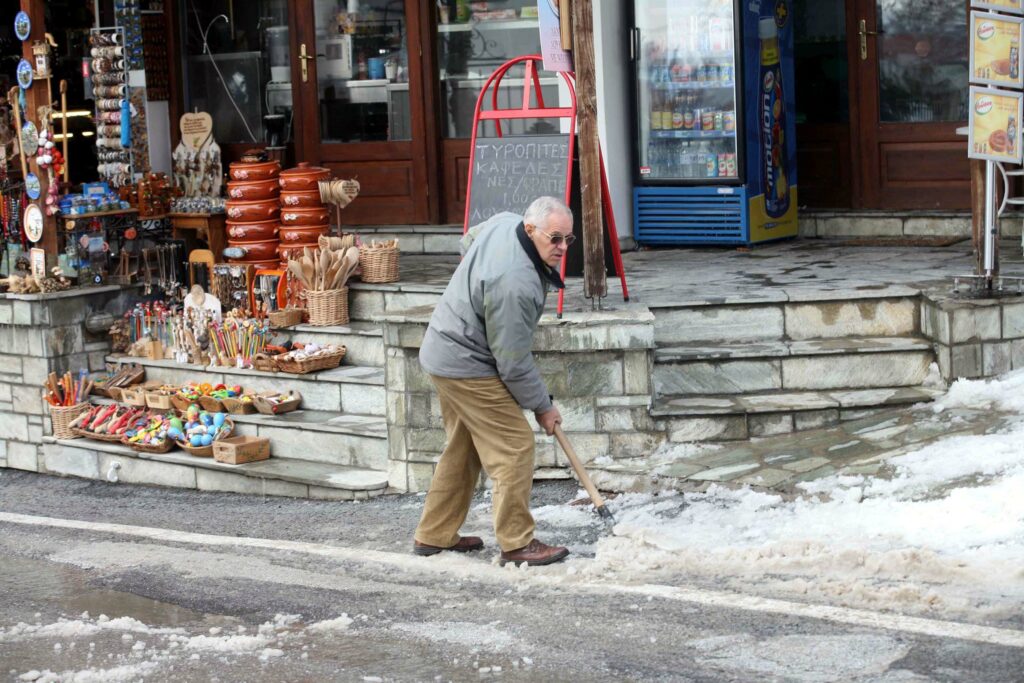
x,y
696,85
508,24
96,214
692,134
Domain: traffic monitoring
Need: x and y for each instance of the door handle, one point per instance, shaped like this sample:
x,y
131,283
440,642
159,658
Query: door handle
x,y
864,33
303,58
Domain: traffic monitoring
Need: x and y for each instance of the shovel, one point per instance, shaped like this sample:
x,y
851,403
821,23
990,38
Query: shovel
x,y
584,478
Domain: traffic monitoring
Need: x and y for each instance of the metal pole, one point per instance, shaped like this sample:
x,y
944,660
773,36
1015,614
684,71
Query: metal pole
x,y
990,222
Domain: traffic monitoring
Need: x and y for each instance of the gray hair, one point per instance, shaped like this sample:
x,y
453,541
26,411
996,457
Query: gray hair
x,y
542,207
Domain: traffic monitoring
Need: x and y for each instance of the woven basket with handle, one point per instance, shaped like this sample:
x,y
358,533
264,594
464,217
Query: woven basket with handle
x,y
379,263
63,416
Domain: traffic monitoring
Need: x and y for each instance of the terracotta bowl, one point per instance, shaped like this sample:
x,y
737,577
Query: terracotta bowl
x,y
305,217
253,190
303,178
291,235
287,252
252,232
253,251
248,212
266,170
301,199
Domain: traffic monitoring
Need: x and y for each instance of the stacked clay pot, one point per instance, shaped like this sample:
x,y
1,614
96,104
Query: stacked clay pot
x,y
304,216
254,212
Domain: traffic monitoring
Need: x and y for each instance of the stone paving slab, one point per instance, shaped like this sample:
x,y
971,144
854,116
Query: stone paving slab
x,y
774,402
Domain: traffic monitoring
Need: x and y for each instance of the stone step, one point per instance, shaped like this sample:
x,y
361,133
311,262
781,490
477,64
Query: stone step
x,y
733,417
278,476
819,364
786,315
348,388
342,439
367,302
364,341
415,239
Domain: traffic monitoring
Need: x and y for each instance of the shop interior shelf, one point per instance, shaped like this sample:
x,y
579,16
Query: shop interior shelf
x,y
509,24
695,85
692,134
99,214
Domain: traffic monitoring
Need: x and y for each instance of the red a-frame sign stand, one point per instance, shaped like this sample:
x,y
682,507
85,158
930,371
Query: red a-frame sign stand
x,y
527,111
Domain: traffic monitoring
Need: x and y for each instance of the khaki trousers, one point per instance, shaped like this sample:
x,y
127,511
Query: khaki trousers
x,y
485,427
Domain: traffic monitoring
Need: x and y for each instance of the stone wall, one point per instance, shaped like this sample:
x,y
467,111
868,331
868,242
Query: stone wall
x,y
40,334
974,338
836,224
597,365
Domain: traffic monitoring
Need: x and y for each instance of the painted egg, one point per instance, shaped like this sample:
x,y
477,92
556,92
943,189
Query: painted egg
x,y
207,439
196,441
218,420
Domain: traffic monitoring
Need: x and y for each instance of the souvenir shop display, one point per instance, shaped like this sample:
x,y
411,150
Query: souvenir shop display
x,y
232,284
324,275
67,399
197,429
378,261
127,17
154,51
304,358
109,384
253,211
107,422
149,433
270,403
197,167
238,450
113,109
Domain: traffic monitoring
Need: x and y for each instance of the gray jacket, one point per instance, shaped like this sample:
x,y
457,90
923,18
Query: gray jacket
x,y
484,324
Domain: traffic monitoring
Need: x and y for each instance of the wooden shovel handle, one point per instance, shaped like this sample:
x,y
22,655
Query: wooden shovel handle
x,y
574,460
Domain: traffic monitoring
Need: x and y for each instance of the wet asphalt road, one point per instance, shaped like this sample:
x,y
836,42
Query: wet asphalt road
x,y
412,619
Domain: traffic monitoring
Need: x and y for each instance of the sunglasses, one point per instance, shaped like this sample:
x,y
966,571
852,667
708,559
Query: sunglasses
x,y
557,238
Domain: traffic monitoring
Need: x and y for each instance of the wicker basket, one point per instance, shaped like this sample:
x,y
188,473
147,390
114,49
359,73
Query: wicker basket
x,y
211,404
166,447
108,438
265,407
238,407
207,451
300,367
329,307
378,263
286,317
241,449
63,416
181,403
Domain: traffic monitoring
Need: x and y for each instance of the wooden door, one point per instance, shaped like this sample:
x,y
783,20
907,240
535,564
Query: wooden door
x,y
362,104
909,76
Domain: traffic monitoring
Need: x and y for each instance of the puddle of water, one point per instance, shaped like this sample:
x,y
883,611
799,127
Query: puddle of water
x,y
66,589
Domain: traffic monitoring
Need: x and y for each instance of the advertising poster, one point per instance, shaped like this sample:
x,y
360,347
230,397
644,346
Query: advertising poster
x,y
770,103
995,133
995,49
555,58
1013,6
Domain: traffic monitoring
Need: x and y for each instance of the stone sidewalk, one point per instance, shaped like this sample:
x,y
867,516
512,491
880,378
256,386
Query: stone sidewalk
x,y
858,447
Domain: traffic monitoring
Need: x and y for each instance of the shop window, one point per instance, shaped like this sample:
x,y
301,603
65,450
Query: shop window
x,y
822,69
362,70
474,39
238,68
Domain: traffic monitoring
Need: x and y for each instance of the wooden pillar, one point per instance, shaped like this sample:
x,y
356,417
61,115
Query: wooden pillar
x,y
38,96
595,284
978,213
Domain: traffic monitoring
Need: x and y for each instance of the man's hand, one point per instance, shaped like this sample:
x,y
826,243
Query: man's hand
x,y
549,419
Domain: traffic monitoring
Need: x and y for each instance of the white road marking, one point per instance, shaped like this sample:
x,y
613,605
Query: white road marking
x,y
751,603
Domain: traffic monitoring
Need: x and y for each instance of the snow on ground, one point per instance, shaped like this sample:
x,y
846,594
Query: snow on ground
x,y
944,534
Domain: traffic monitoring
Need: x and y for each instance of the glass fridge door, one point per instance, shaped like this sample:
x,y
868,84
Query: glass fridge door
x,y
686,77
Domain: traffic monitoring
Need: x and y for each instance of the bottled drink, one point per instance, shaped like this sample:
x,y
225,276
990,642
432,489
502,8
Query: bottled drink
x,y
678,118
655,111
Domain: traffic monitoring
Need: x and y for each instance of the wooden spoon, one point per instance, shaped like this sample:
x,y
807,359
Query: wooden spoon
x,y
295,269
325,264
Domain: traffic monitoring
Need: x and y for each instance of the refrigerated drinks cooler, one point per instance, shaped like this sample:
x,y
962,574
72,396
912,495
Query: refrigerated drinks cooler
x,y
715,151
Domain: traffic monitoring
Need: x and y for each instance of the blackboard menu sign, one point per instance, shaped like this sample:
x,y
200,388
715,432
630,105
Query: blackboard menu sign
x,y
509,173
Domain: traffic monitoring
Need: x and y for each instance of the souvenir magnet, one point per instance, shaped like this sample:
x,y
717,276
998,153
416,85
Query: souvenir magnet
x,y
29,139
25,74
32,187
22,26
33,223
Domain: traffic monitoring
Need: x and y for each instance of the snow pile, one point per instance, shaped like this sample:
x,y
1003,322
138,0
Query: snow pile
x,y
331,625
77,628
946,530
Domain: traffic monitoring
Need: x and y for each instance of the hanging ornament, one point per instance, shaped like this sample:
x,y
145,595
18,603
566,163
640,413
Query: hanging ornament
x,y
29,139
33,223
25,74
22,26
32,187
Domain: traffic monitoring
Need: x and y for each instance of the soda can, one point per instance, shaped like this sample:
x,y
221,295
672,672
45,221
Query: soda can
x,y
730,165
712,165
723,164
702,73
707,120
719,123
726,72
712,72
729,122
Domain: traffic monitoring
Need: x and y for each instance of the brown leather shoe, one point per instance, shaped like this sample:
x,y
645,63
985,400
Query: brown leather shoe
x,y
534,554
465,545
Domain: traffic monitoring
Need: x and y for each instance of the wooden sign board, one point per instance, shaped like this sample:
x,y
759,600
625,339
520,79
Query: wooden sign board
x,y
196,129
995,49
994,127
509,173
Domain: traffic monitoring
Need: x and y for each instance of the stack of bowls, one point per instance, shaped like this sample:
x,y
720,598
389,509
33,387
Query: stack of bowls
x,y
304,216
254,212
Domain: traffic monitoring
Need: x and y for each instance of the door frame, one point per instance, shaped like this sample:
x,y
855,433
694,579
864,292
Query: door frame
x,y
869,134
416,158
